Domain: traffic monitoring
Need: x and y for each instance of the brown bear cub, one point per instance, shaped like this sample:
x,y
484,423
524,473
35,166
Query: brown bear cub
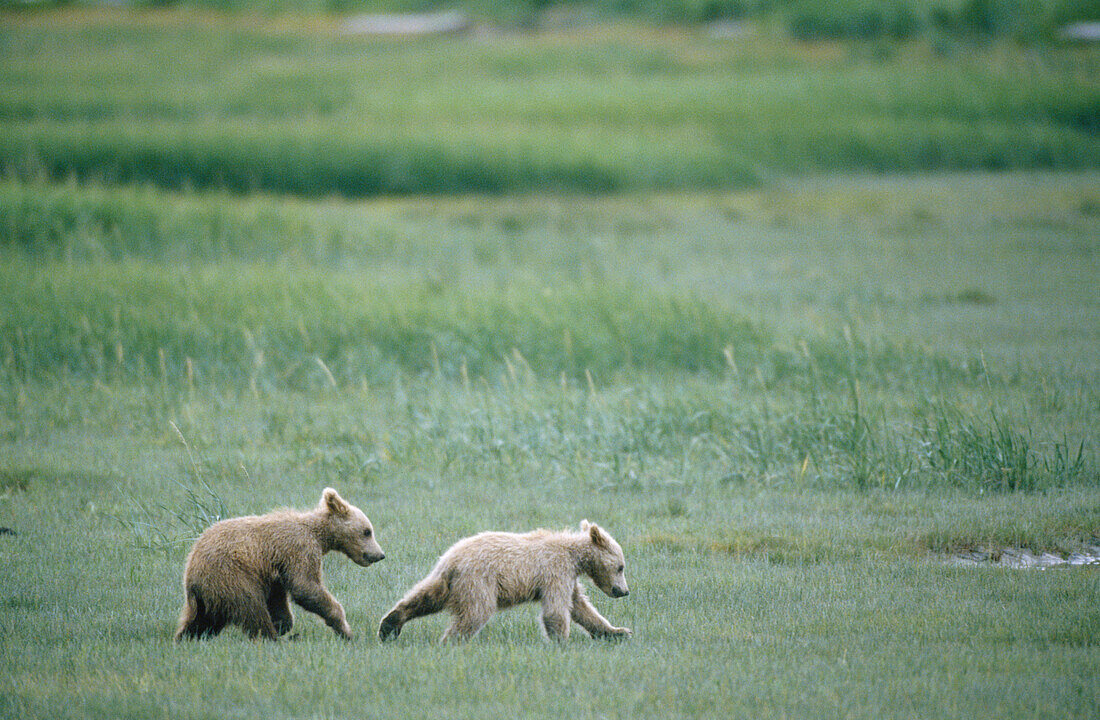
x,y
496,570
240,571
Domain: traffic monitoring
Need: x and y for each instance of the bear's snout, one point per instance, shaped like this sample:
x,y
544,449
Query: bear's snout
x,y
619,592
369,558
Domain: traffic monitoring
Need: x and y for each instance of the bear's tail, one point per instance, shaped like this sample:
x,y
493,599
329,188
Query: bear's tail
x,y
427,597
196,618
189,618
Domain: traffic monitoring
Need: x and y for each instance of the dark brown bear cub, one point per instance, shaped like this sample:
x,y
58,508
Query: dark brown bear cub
x,y
241,571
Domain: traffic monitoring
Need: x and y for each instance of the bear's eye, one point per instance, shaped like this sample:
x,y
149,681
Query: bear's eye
x,y
620,569
367,532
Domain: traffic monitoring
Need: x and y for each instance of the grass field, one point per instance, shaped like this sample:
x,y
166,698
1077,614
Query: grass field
x,y
296,107
790,378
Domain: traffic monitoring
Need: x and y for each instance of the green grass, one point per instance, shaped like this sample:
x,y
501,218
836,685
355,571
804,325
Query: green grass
x,y
789,401
785,509
235,321
714,632
826,640
257,107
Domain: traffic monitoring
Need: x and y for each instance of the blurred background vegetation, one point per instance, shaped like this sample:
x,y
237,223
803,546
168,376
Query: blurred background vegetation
x,y
302,106
805,19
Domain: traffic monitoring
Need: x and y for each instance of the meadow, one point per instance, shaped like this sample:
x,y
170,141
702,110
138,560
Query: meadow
x,y
793,367
216,103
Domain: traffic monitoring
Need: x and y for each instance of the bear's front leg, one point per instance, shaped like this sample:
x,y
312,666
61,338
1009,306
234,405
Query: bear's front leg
x,y
556,611
556,624
314,597
586,615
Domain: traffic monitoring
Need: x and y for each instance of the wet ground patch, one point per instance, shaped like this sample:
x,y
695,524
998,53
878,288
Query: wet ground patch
x,y
1022,558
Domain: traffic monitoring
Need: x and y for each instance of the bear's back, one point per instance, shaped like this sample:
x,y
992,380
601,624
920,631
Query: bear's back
x,y
251,543
505,547
514,567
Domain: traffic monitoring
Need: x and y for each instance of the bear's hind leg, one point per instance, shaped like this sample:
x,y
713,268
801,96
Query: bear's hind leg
x,y
468,619
466,623
196,622
188,622
426,598
211,626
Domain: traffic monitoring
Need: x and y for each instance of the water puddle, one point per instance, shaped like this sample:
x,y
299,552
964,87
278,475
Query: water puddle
x,y
407,25
1021,558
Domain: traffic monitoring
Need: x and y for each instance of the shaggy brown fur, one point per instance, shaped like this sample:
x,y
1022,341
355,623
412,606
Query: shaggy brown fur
x,y
240,571
495,570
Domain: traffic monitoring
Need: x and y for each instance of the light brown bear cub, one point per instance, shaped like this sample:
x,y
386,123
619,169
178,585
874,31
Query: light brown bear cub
x,y
240,571
496,570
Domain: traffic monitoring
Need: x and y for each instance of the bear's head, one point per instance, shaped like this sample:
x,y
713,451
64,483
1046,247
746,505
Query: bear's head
x,y
606,564
349,530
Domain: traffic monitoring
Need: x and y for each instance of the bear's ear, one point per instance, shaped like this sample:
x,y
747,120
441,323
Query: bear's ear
x,y
585,525
333,503
598,536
